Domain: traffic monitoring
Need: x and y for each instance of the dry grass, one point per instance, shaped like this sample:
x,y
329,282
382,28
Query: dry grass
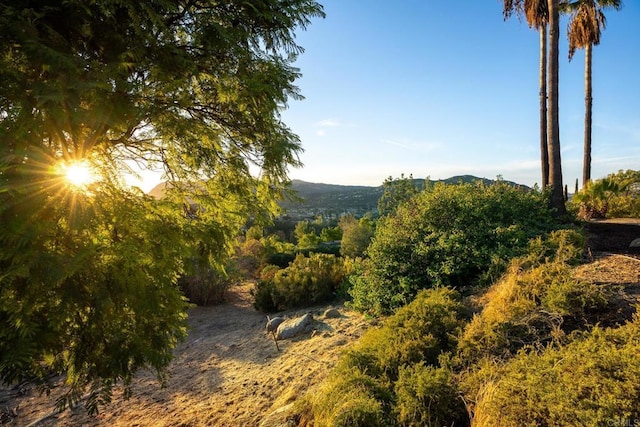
x,y
227,373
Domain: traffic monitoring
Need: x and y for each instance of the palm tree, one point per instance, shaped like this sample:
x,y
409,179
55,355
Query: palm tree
x,y
537,16
585,25
553,127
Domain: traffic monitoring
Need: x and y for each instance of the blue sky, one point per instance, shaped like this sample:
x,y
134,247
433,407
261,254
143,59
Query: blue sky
x,y
420,87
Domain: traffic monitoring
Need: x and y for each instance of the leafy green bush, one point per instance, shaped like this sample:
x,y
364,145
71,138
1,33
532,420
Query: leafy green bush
x,y
390,363
594,200
307,281
451,235
627,203
592,381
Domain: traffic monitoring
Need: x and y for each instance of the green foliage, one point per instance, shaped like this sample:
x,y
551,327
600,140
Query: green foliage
x,y
88,288
592,381
627,202
428,396
306,235
395,192
595,199
204,285
250,257
356,236
451,235
88,276
330,234
255,232
307,281
395,368
352,398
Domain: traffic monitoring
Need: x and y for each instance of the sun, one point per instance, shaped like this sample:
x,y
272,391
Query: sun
x,y
79,173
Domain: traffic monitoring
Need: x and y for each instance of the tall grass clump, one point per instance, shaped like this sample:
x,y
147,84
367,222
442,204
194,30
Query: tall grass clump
x,y
448,235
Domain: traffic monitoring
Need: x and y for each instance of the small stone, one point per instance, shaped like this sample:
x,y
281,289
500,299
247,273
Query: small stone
x,y
635,243
332,313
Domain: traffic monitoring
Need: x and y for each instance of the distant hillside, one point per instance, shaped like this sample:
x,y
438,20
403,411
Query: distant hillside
x,y
332,201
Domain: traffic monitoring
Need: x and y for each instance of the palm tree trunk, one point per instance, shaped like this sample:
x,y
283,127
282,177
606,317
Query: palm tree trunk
x,y
544,153
588,102
553,130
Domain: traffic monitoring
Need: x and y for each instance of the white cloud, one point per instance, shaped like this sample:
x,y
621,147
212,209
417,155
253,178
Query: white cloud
x,y
328,123
421,146
323,125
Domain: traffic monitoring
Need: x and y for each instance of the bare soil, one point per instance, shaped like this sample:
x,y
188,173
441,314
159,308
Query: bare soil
x,y
228,372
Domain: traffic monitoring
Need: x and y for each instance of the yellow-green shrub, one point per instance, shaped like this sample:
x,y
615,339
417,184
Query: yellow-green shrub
x,y
307,281
536,302
351,397
428,396
592,381
532,307
381,364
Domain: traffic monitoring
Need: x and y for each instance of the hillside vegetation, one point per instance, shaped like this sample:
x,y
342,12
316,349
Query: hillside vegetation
x,y
539,346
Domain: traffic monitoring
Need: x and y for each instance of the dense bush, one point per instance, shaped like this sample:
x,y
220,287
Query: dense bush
x,y
627,202
306,281
204,285
592,381
396,368
536,303
428,396
451,235
616,196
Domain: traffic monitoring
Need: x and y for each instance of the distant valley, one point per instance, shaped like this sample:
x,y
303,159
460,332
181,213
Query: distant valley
x,y
332,201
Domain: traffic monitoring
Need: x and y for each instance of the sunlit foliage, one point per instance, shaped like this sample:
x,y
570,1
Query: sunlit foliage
x,y
452,235
88,273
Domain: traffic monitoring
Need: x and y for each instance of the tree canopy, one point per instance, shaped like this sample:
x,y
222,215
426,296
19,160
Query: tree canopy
x,y
193,88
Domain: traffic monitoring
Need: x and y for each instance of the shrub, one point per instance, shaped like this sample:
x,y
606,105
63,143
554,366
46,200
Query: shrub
x,y
447,235
627,204
306,281
250,256
592,381
594,200
351,397
418,334
536,302
428,396
204,285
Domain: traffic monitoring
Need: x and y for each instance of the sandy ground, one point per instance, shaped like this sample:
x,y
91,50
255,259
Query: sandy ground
x,y
228,372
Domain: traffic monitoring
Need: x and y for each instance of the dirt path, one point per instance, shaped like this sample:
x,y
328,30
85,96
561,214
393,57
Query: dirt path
x,y
227,373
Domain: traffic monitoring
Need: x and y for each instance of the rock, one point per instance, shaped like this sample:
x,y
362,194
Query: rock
x,y
272,324
293,327
635,243
331,313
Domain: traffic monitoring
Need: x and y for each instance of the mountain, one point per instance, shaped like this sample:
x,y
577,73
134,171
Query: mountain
x,y
332,201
